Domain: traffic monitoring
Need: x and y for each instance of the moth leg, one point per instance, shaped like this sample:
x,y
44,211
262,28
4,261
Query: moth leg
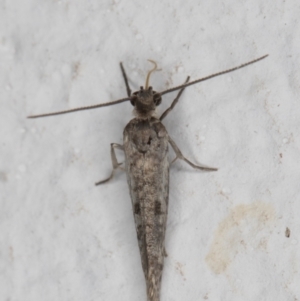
x,y
165,252
168,110
180,156
114,161
125,79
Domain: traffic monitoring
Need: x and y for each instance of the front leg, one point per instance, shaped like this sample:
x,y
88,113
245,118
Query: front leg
x,y
179,155
125,79
168,110
114,161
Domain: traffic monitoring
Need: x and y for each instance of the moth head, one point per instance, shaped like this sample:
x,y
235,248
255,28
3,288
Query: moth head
x,y
146,99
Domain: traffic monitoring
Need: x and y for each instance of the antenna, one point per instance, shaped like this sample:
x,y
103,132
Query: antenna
x,y
82,108
147,82
211,76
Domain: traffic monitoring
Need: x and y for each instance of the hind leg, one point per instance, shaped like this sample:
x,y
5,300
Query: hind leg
x,y
179,155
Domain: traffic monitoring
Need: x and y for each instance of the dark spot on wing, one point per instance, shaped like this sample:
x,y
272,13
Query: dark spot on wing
x,y
140,232
137,208
157,208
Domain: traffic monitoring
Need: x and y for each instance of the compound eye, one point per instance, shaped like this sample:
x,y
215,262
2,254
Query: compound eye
x,y
133,98
157,99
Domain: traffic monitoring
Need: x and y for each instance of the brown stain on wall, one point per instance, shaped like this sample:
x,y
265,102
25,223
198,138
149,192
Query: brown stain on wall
x,y
245,226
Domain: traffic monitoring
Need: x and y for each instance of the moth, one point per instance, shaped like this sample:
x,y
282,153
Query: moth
x,y
145,144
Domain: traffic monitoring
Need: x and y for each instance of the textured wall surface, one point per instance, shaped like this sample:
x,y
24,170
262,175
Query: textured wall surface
x,y
233,234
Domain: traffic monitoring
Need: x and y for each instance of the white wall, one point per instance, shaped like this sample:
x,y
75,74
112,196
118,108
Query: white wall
x,y
61,237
